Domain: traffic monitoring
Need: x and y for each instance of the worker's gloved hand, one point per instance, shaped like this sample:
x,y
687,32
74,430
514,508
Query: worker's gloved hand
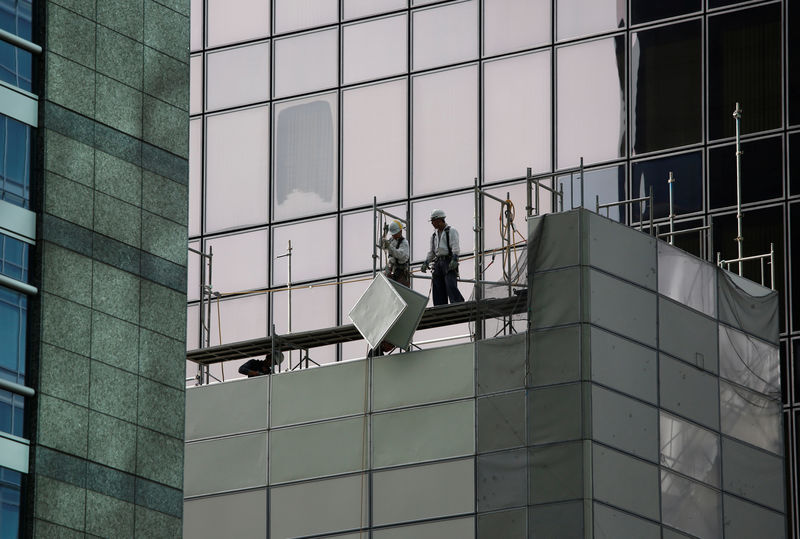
x,y
425,267
385,243
453,266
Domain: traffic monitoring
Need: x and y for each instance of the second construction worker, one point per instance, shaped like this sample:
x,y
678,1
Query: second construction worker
x,y
443,254
397,268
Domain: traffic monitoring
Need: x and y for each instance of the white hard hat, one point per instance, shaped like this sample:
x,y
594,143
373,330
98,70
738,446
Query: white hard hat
x,y
395,227
437,214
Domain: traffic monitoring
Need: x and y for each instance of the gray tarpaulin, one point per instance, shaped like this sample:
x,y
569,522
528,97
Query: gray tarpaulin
x,y
748,306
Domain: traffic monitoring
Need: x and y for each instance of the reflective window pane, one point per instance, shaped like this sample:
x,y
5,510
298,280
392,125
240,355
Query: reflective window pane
x,y
298,14
16,64
195,175
794,234
690,506
606,185
313,250
493,230
197,23
312,308
231,21
750,416
237,168
689,449
445,130
240,261
687,189
14,260
647,10
590,85
748,361
666,67
445,35
238,76
361,8
11,495
306,62
15,162
794,163
196,84
351,291
793,61
239,319
374,143
761,172
13,322
374,49
193,269
577,18
516,116
305,160
512,25
744,46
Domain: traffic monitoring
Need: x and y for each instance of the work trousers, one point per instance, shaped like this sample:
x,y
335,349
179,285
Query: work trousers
x,y
445,283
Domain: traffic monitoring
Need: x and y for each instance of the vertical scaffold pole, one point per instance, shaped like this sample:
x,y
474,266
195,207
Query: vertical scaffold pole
x,y
478,262
737,114
671,180
374,236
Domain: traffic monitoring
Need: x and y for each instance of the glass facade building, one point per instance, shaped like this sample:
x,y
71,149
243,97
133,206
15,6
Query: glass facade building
x,y
303,111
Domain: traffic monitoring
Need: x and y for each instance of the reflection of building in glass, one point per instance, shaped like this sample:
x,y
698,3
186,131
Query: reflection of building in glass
x,y
426,96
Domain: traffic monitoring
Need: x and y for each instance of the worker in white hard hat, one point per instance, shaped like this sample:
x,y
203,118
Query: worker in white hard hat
x,y
443,254
396,247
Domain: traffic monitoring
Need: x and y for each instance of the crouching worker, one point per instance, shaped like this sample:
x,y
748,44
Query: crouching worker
x,y
397,268
259,367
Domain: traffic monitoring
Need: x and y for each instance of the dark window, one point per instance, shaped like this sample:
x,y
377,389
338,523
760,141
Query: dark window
x,y
793,58
760,227
721,3
14,258
687,190
605,185
744,66
649,10
794,163
15,63
13,316
794,234
762,172
666,85
784,366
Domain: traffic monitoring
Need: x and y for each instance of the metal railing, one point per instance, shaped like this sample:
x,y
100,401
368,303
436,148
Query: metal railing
x,y
641,200
761,259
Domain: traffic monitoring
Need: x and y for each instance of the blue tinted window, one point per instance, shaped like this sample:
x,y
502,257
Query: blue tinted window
x,y
687,190
15,159
10,498
15,63
13,315
14,258
12,412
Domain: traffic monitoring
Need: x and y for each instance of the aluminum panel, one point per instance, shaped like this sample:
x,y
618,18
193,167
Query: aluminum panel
x,y
209,413
421,377
225,464
624,365
612,524
620,250
690,507
14,453
305,452
622,308
751,417
556,472
318,507
502,480
624,423
501,363
321,393
687,335
753,474
555,297
687,279
503,524
553,240
401,333
749,362
690,450
555,356
562,520
420,492
625,482
688,391
554,414
501,421
421,434
377,310
744,520
242,514
458,528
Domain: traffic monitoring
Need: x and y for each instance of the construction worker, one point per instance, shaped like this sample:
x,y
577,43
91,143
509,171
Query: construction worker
x,y
397,267
444,256
259,367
